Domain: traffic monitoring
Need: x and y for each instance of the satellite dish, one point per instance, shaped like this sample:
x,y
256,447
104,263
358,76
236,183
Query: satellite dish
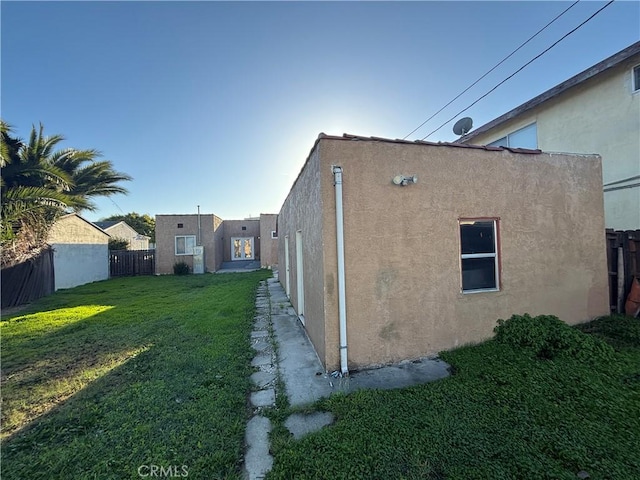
x,y
463,126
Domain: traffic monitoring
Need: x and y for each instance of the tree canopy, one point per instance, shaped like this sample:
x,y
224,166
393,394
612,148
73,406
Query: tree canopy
x,y
143,224
39,183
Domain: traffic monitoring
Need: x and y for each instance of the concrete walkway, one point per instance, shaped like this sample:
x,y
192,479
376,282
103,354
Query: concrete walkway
x,y
303,376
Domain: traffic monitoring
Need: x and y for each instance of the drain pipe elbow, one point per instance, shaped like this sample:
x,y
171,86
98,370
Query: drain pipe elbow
x,y
342,302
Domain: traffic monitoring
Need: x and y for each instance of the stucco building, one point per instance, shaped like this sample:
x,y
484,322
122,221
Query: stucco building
x,y
393,250
123,231
596,111
80,252
177,237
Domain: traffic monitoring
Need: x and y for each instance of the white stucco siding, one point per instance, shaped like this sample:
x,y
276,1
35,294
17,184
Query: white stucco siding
x,y
76,264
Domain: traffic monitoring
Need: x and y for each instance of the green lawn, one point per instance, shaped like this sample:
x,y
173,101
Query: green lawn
x,y
528,409
109,378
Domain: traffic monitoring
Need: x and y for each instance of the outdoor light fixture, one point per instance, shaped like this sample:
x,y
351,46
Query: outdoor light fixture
x,y
402,180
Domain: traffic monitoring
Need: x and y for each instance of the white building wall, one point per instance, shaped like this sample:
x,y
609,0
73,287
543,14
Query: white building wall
x,y
80,252
76,264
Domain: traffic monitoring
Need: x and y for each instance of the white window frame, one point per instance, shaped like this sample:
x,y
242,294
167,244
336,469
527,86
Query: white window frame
x,y
495,254
274,234
505,141
635,85
188,251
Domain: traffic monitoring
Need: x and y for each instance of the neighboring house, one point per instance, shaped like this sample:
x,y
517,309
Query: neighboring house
x,y
439,242
596,111
223,240
81,251
121,230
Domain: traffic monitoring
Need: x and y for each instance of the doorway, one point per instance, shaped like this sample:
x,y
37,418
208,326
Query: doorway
x,y
287,288
242,248
300,275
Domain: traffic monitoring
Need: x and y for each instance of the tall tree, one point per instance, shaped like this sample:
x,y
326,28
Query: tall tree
x,y
38,184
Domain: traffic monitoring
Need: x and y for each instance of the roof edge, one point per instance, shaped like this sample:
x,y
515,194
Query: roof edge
x,y
581,77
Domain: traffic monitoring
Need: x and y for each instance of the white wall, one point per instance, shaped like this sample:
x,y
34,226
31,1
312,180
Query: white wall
x,y
76,264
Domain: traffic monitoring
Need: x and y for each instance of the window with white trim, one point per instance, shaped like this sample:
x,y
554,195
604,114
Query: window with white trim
x,y
479,255
274,234
185,244
526,137
636,78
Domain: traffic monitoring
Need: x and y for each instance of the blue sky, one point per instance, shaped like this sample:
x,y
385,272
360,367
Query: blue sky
x,y
217,104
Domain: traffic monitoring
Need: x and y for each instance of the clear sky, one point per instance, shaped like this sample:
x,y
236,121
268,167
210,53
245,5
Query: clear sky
x,y
218,104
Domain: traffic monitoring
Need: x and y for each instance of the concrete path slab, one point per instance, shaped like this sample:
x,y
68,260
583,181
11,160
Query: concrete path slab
x,y
257,459
304,377
301,371
263,379
263,398
300,424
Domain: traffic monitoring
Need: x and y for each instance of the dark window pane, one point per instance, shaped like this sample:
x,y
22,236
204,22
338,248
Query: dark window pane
x,y
477,238
478,273
636,78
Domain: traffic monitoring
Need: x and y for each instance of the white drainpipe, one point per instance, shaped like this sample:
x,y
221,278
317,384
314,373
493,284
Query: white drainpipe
x,y
342,302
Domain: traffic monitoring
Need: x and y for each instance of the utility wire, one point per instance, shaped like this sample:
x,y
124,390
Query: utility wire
x,y
521,68
496,66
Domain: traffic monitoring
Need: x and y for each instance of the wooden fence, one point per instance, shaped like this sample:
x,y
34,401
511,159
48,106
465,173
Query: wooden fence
x,y
623,260
28,281
132,262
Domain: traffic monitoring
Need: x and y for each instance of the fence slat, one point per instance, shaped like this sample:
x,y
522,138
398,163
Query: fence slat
x,y
623,262
124,263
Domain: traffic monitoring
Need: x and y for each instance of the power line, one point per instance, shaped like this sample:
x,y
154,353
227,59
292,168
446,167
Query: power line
x,y
492,69
521,68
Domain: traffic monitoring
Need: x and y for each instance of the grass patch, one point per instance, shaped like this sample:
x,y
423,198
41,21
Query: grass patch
x,y
540,411
102,379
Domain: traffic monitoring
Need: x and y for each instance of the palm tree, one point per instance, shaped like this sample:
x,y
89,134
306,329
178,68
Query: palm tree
x,y
38,184
89,177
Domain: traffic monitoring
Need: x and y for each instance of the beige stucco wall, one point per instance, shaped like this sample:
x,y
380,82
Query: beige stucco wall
x,y
268,245
303,211
126,232
233,228
402,246
73,229
601,115
80,252
166,231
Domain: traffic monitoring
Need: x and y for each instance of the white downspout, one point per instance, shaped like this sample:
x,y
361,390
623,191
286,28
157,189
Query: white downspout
x,y
342,302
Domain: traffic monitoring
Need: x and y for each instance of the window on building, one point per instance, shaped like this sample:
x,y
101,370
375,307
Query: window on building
x,y
180,225
636,78
185,244
479,255
274,234
526,137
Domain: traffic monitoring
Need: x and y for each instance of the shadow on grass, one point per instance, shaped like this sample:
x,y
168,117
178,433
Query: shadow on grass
x,y
169,387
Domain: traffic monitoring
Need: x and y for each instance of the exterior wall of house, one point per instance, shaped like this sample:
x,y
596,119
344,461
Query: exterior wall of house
x,y
402,247
234,228
268,244
124,231
81,252
167,229
600,115
303,211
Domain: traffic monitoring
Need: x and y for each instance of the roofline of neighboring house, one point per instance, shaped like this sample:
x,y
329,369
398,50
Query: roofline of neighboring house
x,y
85,220
350,138
581,77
